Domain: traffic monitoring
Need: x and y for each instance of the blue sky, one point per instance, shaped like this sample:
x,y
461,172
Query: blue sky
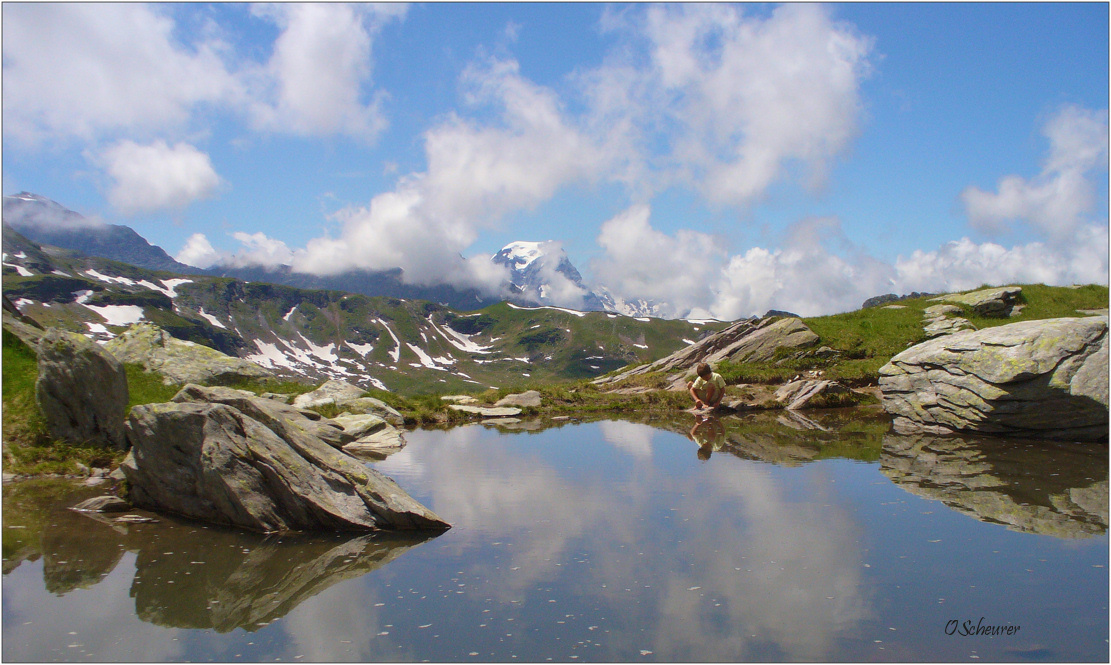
x,y
720,159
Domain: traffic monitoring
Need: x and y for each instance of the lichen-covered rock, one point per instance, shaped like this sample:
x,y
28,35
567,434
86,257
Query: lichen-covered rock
x,y
527,398
997,302
180,361
330,392
213,462
81,390
1044,378
377,445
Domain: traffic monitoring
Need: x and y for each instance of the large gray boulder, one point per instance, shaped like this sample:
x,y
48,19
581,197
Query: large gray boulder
x,y
81,390
1045,379
257,470
180,361
284,419
330,392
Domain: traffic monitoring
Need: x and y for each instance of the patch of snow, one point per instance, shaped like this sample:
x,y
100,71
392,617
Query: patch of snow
x,y
172,284
21,255
425,359
61,272
701,322
118,315
83,297
98,328
558,309
23,302
289,313
108,278
458,339
377,383
269,356
23,272
612,316
687,341
211,319
640,346
326,353
643,319
396,353
361,349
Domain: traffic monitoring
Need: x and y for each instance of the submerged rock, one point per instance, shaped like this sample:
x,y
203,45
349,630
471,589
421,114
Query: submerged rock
x,y
180,361
1045,378
81,390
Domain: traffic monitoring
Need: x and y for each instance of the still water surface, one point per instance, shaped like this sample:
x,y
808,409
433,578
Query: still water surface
x,y
825,539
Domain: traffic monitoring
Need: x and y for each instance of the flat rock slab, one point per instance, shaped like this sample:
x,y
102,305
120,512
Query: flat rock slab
x,y
486,411
527,398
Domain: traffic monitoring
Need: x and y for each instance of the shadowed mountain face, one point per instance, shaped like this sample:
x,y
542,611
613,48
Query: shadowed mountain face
x,y
48,223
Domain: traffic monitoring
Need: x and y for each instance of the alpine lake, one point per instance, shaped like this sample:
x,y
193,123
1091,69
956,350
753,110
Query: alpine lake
x,y
764,537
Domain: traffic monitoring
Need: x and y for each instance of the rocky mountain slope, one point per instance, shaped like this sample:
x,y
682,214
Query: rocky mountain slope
x,y
389,343
540,273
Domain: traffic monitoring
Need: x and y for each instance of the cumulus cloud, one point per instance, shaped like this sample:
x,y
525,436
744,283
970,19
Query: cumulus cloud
x,y
739,102
198,252
641,262
476,174
314,81
147,178
1056,201
80,70
964,264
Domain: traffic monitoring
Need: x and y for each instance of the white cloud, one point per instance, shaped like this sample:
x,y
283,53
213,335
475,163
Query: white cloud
x,y
147,178
198,252
80,70
314,81
640,262
964,264
479,173
259,249
1056,201
476,175
739,102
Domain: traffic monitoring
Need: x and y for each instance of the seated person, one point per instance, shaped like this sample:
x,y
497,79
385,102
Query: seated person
x,y
708,389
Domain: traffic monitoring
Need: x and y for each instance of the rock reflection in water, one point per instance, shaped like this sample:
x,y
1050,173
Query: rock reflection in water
x,y
190,575
229,580
1006,481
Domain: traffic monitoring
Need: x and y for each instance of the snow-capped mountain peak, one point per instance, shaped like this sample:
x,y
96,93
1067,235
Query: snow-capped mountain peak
x,y
521,253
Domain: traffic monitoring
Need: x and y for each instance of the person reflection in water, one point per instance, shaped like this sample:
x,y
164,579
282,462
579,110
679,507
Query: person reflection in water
x,y
709,434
